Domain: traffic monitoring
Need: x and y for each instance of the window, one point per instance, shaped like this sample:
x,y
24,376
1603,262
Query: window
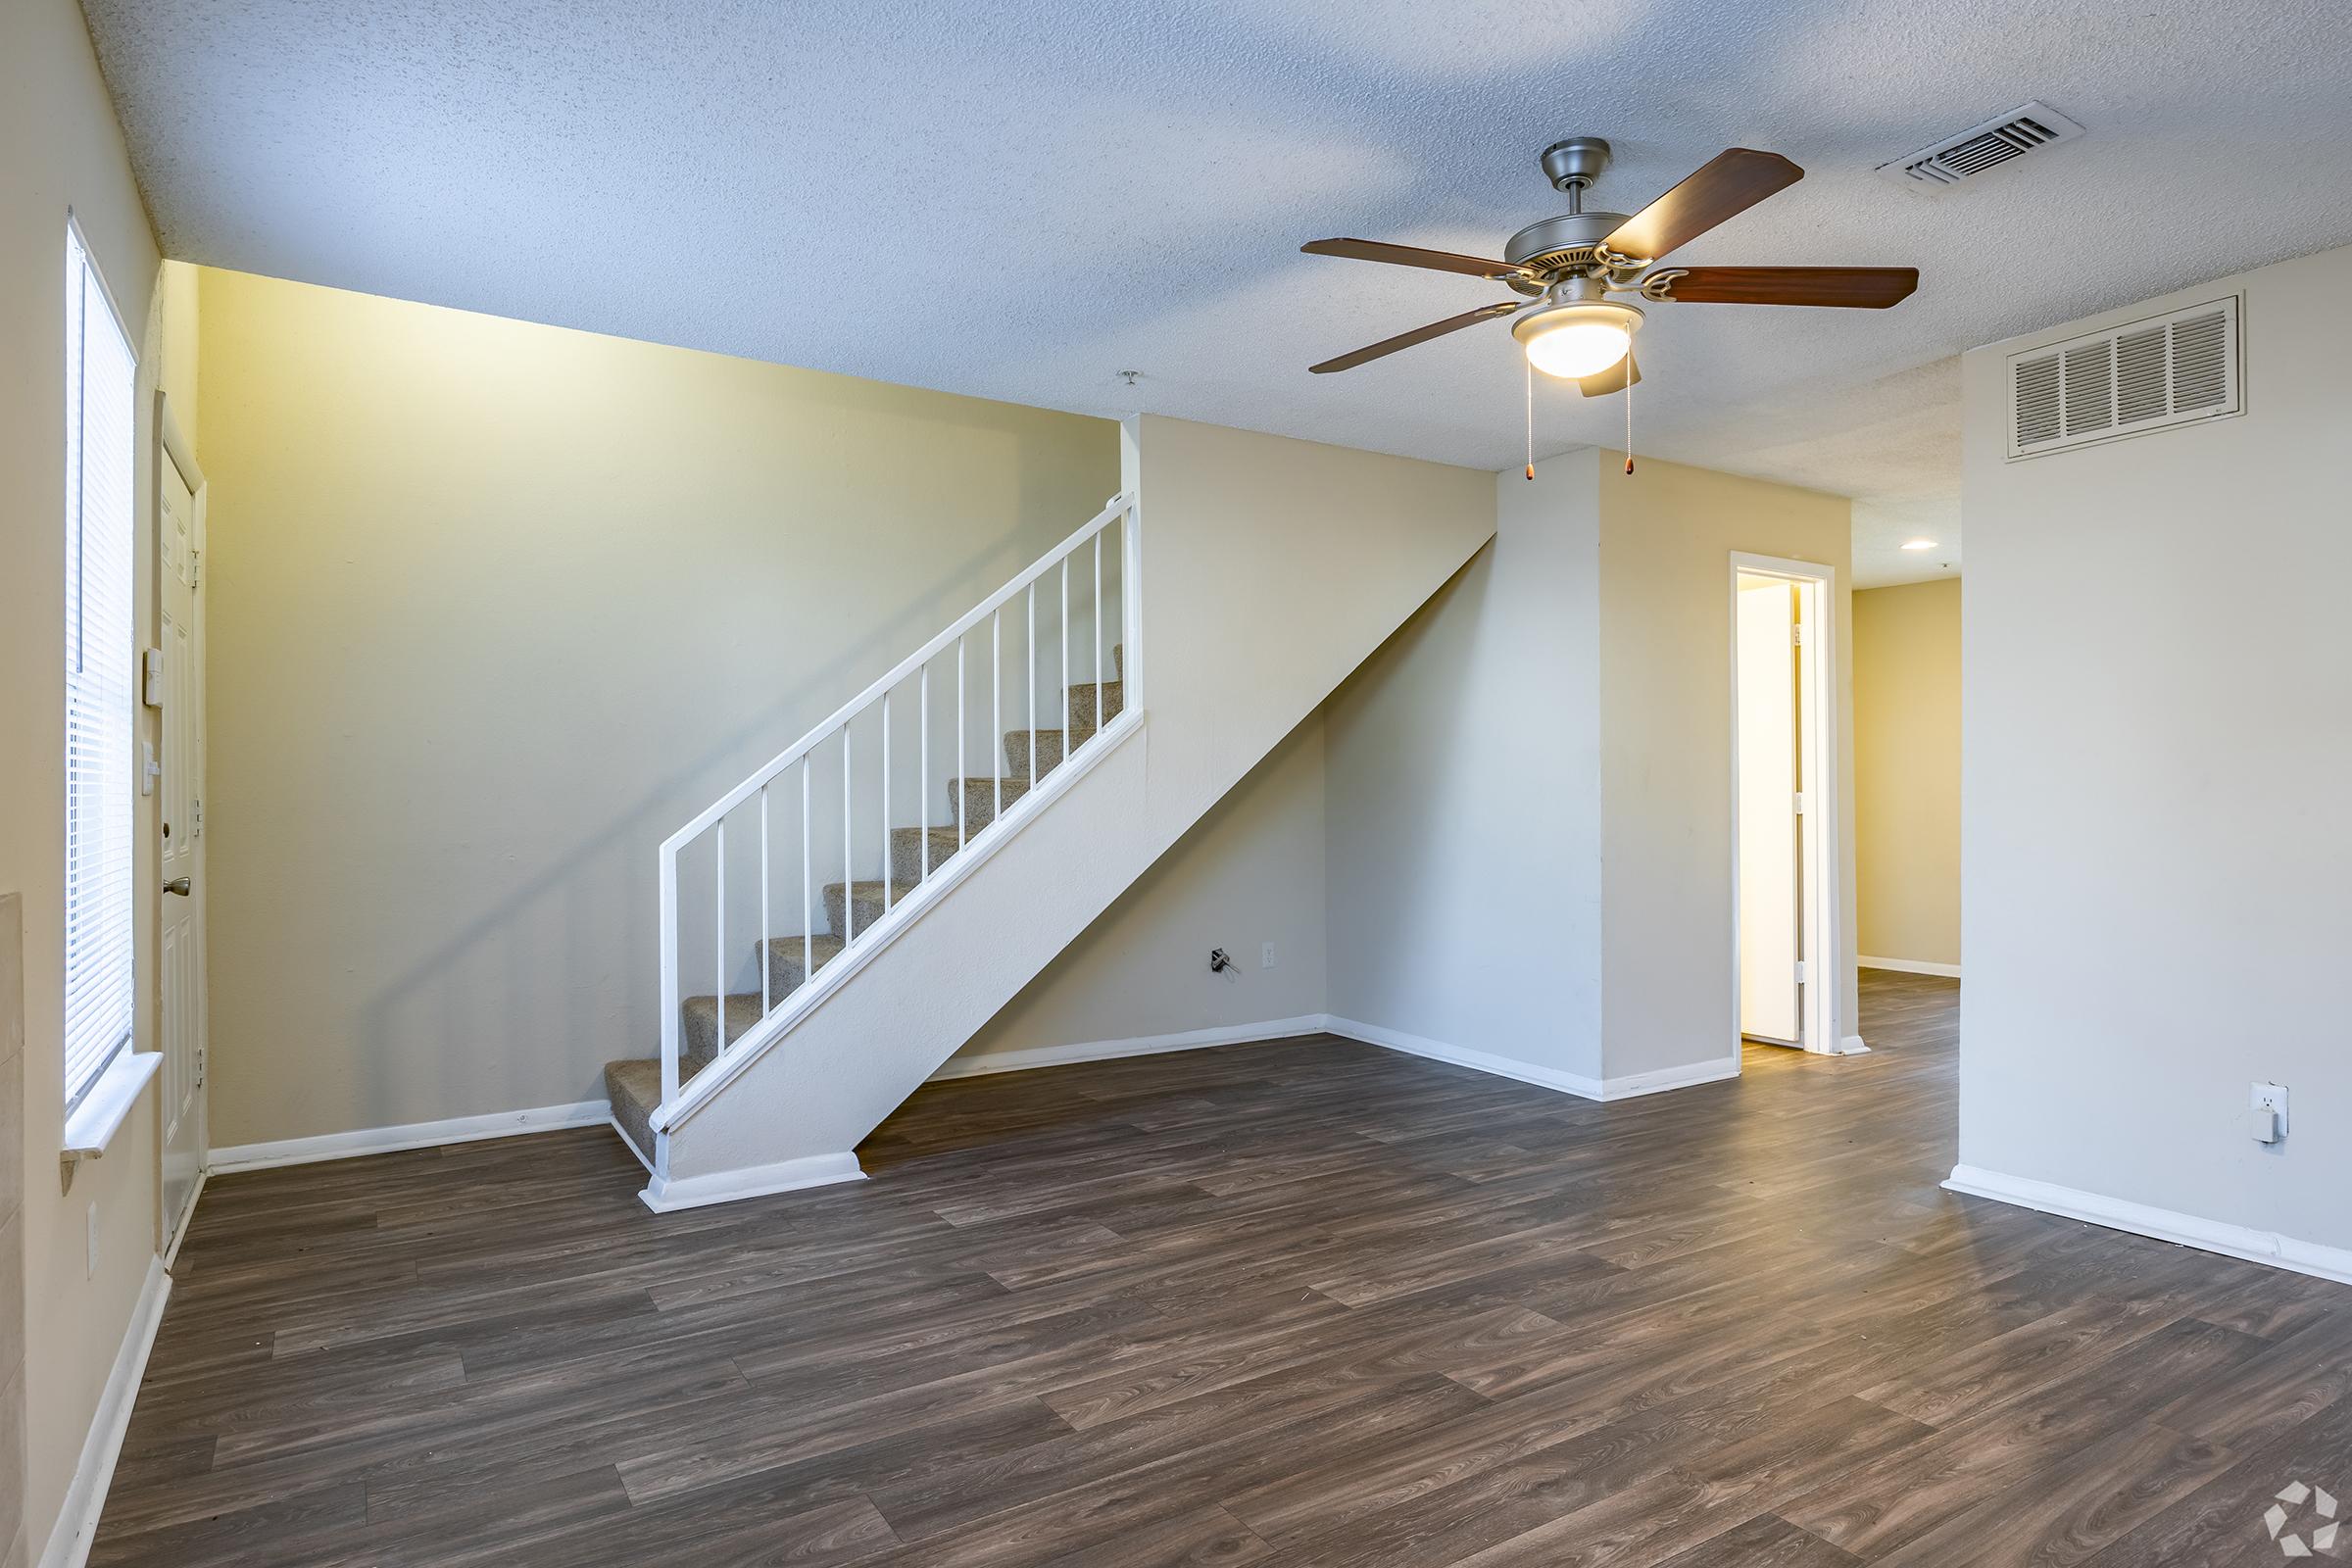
x,y
101,421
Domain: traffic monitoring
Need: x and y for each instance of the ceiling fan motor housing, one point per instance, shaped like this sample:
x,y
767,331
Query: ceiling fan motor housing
x,y
1558,243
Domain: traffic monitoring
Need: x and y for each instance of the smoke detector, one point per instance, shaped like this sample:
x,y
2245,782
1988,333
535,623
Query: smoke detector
x,y
2029,128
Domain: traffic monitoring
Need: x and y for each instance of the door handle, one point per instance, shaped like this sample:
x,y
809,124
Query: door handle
x,y
179,885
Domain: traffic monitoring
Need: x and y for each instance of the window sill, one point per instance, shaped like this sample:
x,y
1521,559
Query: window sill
x,y
108,1105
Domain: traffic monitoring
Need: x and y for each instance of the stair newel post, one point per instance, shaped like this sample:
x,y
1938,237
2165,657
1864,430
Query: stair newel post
x,y
767,932
886,877
718,947
808,915
670,973
1096,608
922,768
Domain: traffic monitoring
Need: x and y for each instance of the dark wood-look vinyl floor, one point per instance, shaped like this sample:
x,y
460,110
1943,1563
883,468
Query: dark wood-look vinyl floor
x,y
1309,1302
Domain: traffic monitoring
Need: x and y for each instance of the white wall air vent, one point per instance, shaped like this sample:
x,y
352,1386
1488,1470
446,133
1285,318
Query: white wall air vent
x,y
1981,147
2169,370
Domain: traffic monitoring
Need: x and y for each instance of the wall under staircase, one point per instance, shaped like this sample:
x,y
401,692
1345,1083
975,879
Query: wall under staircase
x,y
1269,569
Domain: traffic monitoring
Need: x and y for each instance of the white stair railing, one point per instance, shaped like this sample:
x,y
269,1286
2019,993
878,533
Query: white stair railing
x,y
1113,625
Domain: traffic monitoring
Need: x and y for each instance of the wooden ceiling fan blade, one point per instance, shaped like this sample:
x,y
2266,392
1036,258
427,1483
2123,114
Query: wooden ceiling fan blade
x,y
1868,288
1419,335
1727,185
1372,250
1616,378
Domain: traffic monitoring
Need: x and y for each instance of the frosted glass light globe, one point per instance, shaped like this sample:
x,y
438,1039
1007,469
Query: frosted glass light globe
x,y
1579,339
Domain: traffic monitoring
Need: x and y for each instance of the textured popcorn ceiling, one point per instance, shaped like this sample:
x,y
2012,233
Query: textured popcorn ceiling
x,y
1020,201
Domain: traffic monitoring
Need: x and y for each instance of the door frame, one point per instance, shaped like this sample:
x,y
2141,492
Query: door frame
x,y
171,446
1821,1001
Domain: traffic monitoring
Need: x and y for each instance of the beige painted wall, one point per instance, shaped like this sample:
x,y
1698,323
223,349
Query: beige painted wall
x,y
1669,981
64,152
1247,873
495,608
2157,873
1907,770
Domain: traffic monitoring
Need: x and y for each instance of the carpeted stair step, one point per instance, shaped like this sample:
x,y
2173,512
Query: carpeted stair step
x,y
635,1088
907,851
1050,747
976,798
1082,704
866,908
785,956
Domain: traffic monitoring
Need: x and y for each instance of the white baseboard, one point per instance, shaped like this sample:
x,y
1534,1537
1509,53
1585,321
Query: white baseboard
x,y
86,1497
1234,1034
1372,1034
1853,1045
1950,971
2164,1224
1631,1085
415,1135
664,1194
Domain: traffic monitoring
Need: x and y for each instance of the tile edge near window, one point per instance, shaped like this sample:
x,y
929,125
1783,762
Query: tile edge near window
x,y
108,1102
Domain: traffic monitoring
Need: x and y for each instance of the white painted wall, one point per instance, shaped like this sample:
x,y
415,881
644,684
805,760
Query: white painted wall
x,y
2157,870
1247,873
1463,816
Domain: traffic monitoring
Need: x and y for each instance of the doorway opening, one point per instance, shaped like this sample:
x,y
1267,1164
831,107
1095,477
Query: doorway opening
x,y
1785,805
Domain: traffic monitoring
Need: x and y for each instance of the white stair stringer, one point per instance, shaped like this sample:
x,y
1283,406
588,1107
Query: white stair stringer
x,y
1270,569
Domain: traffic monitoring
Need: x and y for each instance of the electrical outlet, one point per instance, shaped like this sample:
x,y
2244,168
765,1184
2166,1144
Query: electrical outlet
x,y
2271,1097
90,1263
1266,957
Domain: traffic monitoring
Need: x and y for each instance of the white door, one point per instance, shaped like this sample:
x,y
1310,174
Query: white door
x,y
180,526
1771,886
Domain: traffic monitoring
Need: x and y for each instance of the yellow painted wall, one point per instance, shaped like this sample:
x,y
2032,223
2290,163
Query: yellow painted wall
x,y
1669,983
1907,770
496,607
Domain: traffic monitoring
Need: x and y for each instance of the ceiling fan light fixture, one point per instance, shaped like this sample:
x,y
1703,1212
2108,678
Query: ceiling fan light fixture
x,y
1577,338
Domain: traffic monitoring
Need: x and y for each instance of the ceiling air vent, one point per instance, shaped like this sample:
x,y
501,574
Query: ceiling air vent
x,y
1981,147
2147,375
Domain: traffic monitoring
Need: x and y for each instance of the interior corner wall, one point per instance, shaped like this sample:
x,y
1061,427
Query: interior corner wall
x,y
1670,975
495,606
2157,873
64,153
1248,873
1462,802
1906,806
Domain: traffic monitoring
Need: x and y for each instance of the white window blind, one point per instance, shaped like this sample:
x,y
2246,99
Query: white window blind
x,y
100,425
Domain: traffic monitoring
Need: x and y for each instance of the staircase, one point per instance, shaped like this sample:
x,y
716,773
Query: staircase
x,y
634,1085
828,938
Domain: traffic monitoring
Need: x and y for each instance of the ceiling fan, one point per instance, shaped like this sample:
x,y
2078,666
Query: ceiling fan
x,y
1568,266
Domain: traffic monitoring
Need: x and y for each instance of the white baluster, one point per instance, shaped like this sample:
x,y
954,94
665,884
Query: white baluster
x,y
849,868
1035,772
767,932
720,963
886,877
807,913
922,768
669,974
996,703
963,792
1067,740
1099,720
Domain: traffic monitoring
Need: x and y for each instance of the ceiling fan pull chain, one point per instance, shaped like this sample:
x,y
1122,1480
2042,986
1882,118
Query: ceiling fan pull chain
x,y
1629,374
1530,418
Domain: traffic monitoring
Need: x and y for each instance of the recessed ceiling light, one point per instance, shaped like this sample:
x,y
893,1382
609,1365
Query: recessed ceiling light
x,y
1919,544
